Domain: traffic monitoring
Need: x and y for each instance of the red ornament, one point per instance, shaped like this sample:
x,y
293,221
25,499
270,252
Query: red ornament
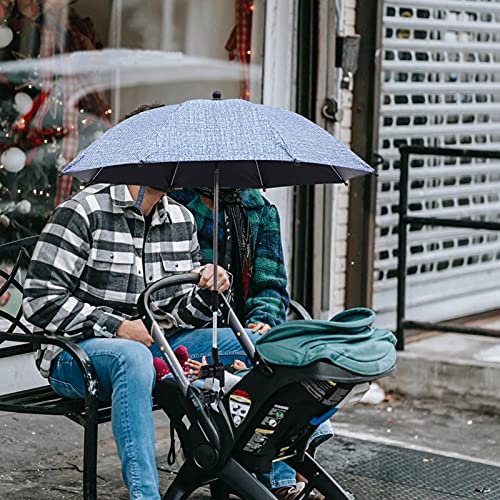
x,y
19,125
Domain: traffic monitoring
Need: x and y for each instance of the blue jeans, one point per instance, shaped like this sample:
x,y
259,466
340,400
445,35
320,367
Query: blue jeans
x,y
126,378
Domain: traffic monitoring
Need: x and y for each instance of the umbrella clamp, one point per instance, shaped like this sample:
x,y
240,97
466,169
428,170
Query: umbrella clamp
x,y
213,371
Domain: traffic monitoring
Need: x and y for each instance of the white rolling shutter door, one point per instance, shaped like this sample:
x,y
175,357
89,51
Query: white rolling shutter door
x,y
440,86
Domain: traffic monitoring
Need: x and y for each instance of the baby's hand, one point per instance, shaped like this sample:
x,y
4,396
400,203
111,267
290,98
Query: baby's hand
x,y
195,367
238,365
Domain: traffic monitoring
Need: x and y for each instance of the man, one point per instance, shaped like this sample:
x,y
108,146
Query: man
x,y
93,259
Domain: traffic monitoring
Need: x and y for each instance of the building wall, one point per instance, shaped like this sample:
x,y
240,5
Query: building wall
x,y
346,26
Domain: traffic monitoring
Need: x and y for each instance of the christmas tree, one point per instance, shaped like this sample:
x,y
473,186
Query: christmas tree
x,y
42,125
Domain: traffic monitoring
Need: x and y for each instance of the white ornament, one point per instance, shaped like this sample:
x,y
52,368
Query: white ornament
x,y
13,160
23,207
23,102
6,36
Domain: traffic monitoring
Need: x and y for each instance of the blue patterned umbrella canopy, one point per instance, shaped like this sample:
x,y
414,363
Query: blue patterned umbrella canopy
x,y
252,145
227,143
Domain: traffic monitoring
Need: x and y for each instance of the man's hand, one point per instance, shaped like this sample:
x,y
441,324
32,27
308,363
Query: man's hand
x,y
207,278
259,327
134,330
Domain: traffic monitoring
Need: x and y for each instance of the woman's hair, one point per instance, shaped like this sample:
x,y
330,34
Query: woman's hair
x,y
140,109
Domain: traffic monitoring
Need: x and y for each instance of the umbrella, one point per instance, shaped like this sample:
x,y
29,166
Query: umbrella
x,y
220,143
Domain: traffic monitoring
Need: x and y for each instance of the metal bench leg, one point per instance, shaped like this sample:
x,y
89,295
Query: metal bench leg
x,y
90,453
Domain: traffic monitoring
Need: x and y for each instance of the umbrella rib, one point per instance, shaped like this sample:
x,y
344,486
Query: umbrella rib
x,y
95,175
337,173
173,176
260,176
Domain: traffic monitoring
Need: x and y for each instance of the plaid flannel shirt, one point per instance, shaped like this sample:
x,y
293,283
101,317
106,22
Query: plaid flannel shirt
x,y
267,294
91,263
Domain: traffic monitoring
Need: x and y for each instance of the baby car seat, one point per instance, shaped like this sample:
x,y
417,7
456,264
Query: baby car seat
x,y
303,373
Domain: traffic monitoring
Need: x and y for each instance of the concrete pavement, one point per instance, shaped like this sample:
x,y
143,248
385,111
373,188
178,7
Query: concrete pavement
x,y
42,456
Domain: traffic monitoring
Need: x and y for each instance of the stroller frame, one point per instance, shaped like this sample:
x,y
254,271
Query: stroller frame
x,y
269,415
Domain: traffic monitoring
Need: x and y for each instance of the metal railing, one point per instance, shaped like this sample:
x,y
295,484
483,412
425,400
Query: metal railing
x,y
405,220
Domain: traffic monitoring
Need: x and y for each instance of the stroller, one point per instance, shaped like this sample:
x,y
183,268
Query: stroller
x,y
303,372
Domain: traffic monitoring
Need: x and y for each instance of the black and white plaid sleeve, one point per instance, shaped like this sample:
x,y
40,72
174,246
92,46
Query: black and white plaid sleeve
x,y
50,291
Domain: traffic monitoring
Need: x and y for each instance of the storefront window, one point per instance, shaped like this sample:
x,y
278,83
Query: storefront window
x,y
69,70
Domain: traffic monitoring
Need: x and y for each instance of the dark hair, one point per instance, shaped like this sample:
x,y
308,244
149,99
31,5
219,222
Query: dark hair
x,y
140,109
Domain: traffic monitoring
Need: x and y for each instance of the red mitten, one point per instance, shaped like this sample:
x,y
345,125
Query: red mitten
x,y
161,368
181,353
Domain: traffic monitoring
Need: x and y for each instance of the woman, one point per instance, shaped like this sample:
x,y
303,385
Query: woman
x,y
250,249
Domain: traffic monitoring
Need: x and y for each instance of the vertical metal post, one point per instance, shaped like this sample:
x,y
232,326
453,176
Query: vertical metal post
x,y
90,448
306,93
402,243
365,133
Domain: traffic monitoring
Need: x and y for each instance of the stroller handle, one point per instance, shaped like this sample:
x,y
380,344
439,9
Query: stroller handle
x,y
146,315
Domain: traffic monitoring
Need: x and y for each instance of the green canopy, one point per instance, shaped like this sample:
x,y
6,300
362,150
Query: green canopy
x,y
348,340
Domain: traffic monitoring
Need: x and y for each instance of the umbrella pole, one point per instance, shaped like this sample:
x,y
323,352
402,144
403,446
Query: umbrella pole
x,y
215,370
215,292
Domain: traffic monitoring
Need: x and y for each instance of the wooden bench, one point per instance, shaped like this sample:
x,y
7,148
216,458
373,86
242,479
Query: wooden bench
x,y
90,412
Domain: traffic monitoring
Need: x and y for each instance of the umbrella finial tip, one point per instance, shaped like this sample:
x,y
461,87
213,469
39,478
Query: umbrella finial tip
x,y
216,95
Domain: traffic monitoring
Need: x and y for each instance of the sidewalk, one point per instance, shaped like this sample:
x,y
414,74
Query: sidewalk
x,y
462,369
41,457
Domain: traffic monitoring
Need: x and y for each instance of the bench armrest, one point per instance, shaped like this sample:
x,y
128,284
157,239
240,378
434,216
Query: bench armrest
x,y
298,309
77,353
